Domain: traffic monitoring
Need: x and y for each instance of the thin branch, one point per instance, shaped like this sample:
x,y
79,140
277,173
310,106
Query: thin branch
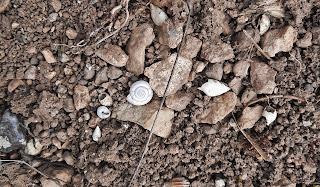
x,y
274,96
257,46
116,31
164,96
252,142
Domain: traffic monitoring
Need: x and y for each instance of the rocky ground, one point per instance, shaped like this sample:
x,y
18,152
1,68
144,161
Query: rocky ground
x,y
53,77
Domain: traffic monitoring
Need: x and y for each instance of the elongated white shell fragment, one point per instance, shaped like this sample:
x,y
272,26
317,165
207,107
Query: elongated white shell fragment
x,y
270,116
96,134
158,16
214,88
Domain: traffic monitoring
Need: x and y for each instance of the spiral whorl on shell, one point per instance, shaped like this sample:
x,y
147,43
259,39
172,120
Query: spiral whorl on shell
x,y
140,93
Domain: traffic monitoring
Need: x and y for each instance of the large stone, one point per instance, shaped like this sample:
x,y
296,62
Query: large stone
x,y
215,50
191,47
279,40
113,55
81,97
140,38
159,74
262,78
12,135
249,116
217,109
179,100
144,116
170,33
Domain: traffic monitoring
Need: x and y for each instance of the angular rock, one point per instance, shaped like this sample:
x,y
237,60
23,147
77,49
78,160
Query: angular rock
x,y
240,69
113,55
179,100
217,109
31,73
140,38
248,95
89,72
68,158
68,105
191,47
279,40
241,42
214,71
235,84
216,51
56,5
114,73
15,83
102,76
170,34
199,66
159,74
71,33
81,97
3,5
262,78
316,35
249,116
144,116
49,106
12,134
306,41
309,167
48,56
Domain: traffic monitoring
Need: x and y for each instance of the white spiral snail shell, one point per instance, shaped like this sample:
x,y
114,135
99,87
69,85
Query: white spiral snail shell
x,y
140,93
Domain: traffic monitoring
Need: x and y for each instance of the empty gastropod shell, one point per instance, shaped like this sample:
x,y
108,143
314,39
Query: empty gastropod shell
x,y
140,93
103,112
214,88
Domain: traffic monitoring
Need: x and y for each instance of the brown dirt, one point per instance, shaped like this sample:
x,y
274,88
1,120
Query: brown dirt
x,y
199,152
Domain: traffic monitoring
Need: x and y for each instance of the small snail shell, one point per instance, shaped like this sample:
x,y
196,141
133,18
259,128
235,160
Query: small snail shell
x,y
140,93
105,99
103,112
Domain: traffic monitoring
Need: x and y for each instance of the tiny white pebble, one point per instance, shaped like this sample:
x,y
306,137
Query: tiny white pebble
x,y
103,112
96,134
270,116
220,183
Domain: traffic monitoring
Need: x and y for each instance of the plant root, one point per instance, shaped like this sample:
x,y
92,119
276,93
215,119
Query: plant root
x,y
274,96
257,46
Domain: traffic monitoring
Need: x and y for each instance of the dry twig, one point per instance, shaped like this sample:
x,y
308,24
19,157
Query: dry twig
x,y
257,46
274,96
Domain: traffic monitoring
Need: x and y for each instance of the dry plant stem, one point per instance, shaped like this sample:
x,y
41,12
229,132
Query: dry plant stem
x,y
123,24
300,64
252,142
23,162
257,46
274,96
163,98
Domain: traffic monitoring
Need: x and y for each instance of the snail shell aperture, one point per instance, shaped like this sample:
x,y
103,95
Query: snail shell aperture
x,y
140,93
103,112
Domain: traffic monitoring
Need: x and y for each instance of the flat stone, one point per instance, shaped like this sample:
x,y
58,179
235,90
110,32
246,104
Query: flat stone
x,y
262,78
113,55
170,34
63,174
114,73
48,56
31,73
240,69
88,72
101,76
3,5
191,47
144,116
309,167
248,95
216,51
68,158
214,71
217,109
34,147
279,40
236,85
12,134
15,83
159,74
179,100
141,37
81,97
249,116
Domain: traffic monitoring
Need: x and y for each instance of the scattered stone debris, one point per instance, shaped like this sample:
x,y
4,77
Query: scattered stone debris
x,y
170,33
3,5
249,116
102,76
262,78
63,174
49,106
48,56
306,41
240,69
12,134
31,73
140,38
214,71
279,40
216,51
179,100
217,109
159,74
81,97
113,55
71,33
191,47
15,83
144,116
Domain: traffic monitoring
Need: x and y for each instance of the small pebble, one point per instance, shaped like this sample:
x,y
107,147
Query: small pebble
x,y
309,87
53,17
71,33
48,56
